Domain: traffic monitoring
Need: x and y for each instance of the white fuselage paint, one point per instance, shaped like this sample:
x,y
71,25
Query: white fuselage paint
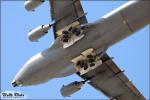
x,y
56,62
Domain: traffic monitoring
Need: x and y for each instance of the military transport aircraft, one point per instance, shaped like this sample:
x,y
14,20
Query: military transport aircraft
x,y
80,47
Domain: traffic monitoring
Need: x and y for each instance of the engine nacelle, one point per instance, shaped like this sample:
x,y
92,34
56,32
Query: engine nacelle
x,y
30,5
38,32
71,88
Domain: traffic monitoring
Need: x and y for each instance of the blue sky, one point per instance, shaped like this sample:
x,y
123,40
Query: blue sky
x,y
131,54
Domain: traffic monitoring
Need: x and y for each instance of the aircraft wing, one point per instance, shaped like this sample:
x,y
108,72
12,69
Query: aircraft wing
x,y
112,82
107,78
64,13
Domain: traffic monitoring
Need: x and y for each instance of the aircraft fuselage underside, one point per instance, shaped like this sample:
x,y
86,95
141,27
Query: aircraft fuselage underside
x,y
73,40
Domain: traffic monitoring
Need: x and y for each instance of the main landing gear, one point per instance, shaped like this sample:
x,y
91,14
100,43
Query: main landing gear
x,y
90,61
67,34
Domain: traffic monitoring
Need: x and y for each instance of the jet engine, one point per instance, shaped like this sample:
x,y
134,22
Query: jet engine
x,y
38,32
30,5
71,88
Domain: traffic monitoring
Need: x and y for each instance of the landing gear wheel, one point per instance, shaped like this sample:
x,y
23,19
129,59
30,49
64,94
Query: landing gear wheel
x,y
78,73
85,67
70,29
77,33
65,32
78,63
65,36
82,64
92,64
89,56
91,60
74,30
65,40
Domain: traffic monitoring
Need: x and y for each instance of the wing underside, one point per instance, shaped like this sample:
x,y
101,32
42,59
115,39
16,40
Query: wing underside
x,y
107,78
112,82
65,12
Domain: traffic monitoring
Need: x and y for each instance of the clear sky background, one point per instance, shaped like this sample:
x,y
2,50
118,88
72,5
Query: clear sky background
x,y
131,54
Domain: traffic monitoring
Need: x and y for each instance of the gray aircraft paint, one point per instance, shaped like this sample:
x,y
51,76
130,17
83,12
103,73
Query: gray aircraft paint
x,y
110,29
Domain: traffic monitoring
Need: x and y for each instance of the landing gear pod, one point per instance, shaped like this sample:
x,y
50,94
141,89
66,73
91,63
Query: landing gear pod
x,y
30,5
38,32
71,88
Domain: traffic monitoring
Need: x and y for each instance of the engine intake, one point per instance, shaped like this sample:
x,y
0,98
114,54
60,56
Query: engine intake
x,y
71,88
30,5
38,32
